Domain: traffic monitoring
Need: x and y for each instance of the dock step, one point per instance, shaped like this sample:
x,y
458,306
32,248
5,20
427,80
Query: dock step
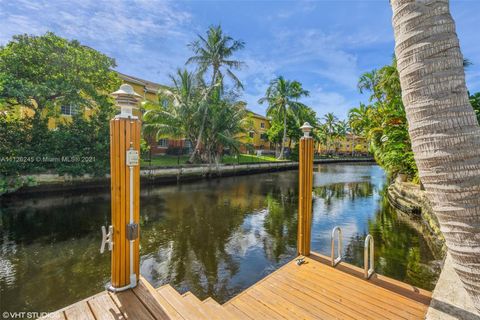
x,y
190,307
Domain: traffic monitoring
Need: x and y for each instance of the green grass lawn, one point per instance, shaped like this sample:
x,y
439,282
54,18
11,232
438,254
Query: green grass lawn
x,y
169,160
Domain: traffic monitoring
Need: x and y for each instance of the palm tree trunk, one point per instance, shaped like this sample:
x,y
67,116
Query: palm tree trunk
x,y
280,156
443,129
196,151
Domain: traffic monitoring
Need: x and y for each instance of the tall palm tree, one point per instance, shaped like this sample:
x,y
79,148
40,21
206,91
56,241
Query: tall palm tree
x,y
443,128
359,120
282,97
214,53
330,122
181,117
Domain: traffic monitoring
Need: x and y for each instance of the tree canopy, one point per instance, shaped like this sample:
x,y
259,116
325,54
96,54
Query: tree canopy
x,y
47,71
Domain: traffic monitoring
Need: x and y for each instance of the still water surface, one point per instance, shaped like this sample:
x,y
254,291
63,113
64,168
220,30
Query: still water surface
x,y
214,238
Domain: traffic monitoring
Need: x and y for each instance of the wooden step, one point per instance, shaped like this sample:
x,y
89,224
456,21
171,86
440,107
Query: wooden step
x,y
184,307
203,309
219,309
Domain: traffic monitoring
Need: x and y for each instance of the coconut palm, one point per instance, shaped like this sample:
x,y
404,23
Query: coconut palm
x,y
330,123
282,97
359,120
227,122
444,131
214,54
181,117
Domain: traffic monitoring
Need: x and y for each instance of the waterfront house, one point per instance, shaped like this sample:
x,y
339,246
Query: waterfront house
x,y
350,144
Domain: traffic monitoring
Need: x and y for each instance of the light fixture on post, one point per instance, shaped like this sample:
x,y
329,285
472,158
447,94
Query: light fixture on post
x,y
306,128
127,99
123,238
305,173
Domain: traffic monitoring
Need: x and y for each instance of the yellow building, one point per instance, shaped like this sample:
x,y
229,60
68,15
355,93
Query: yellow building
x,y
256,133
348,145
256,136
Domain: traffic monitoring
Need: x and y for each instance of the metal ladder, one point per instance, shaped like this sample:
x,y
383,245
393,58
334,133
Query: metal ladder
x,y
368,252
337,260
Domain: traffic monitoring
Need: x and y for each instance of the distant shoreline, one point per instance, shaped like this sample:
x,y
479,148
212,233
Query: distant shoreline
x,y
49,182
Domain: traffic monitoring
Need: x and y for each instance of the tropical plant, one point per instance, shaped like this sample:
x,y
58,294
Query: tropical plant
x,y
330,121
180,118
475,102
44,72
214,53
383,122
41,74
443,127
225,125
282,97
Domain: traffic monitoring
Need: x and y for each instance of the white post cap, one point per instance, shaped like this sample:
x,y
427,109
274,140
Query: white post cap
x,y
306,128
127,99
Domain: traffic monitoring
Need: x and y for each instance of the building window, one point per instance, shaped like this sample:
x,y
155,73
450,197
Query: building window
x,y
262,125
68,110
188,144
251,134
163,143
263,136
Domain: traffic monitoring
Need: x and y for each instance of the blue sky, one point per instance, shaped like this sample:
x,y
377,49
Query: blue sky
x,y
326,45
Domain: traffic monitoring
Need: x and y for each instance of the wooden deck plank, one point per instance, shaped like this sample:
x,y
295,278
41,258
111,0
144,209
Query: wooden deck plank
x,y
336,303
255,308
278,303
389,308
185,309
311,302
404,289
203,309
79,311
103,308
237,312
219,309
313,290
159,308
130,306
357,284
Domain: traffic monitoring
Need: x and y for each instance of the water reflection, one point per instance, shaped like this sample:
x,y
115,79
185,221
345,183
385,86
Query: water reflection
x,y
214,238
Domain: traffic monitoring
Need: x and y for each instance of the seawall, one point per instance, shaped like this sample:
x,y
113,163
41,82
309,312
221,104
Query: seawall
x,y
51,182
408,198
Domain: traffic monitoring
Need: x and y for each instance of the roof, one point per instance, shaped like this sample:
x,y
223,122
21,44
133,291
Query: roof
x,y
257,115
150,86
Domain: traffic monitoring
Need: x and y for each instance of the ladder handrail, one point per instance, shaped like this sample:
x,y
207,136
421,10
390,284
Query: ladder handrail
x,y
368,270
337,260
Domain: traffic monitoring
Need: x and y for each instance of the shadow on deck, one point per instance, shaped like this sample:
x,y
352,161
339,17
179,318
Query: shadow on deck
x,y
313,290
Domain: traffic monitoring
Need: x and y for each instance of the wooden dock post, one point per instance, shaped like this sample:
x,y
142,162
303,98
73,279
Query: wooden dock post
x,y
125,190
305,172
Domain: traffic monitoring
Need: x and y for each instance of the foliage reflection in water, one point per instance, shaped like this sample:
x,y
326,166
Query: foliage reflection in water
x,y
214,238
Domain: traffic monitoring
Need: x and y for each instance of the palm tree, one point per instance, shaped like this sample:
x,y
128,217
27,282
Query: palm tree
x,y
444,131
181,117
225,125
282,96
214,53
341,129
359,120
368,81
330,127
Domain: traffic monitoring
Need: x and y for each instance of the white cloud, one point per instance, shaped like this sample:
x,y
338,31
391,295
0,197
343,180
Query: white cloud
x,y
329,101
143,36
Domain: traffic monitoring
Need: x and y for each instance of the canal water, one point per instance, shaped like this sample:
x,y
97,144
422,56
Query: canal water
x,y
213,237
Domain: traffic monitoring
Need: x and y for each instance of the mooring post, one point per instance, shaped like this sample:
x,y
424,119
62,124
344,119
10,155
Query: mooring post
x,y
305,172
125,190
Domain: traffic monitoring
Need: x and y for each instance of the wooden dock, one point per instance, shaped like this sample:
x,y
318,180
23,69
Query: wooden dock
x,y
313,290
